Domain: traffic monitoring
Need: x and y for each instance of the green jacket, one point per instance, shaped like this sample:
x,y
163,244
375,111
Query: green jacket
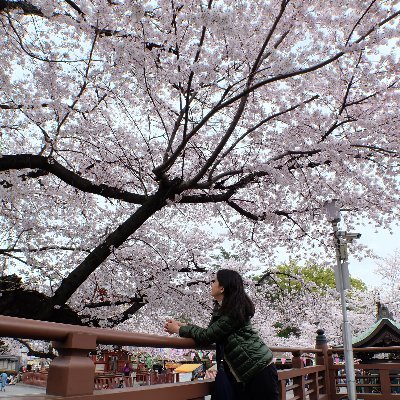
x,y
244,351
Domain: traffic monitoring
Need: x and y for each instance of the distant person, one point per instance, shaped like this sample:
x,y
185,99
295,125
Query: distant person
x,y
240,351
157,368
3,381
127,370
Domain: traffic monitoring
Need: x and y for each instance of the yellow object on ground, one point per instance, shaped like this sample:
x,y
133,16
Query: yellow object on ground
x,y
171,365
187,368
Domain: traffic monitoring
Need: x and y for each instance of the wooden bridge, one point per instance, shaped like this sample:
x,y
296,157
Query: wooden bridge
x,y
72,375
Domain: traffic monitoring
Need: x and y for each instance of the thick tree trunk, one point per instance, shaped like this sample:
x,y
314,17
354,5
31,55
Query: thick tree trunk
x,y
78,276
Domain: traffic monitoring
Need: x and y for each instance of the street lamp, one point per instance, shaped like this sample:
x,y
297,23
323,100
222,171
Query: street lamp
x,y
342,278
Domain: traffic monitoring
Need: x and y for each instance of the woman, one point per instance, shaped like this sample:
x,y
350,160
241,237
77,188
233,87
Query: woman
x,y
246,358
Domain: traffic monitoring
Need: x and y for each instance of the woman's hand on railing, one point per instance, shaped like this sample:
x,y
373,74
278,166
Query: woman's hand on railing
x,y
171,326
210,374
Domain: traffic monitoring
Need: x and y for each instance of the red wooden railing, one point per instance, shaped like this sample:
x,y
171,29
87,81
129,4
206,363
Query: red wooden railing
x,y
115,381
72,374
376,379
35,378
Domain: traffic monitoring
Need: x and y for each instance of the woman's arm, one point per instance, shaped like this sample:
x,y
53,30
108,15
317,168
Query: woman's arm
x,y
215,332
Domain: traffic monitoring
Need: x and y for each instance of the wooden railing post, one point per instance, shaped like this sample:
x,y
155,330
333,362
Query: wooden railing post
x,y
332,376
323,359
282,389
72,373
299,381
385,382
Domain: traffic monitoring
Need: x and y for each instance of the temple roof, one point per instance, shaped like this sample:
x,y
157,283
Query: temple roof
x,y
384,332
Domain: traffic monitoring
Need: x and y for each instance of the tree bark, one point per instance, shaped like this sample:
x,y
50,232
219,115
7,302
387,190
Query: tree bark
x,y
43,165
78,276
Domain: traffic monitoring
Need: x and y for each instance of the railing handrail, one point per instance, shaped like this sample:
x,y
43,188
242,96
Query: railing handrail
x,y
295,350
33,329
294,372
391,349
375,365
41,330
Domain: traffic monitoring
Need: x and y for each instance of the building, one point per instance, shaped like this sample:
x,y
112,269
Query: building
x,y
9,363
385,332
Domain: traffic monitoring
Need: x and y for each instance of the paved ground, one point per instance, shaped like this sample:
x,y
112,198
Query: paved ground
x,y
21,390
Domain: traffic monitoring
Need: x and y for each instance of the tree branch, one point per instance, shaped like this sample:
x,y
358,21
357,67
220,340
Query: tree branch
x,y
108,303
244,212
26,7
18,106
207,198
22,161
232,126
75,7
115,239
36,353
252,129
44,248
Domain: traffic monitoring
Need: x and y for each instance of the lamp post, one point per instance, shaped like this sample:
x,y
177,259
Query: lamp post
x,y
342,278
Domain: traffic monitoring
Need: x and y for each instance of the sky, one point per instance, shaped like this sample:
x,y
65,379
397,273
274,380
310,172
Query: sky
x,y
382,243
379,240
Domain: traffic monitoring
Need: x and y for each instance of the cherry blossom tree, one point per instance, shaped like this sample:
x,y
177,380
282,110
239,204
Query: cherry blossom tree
x,y
388,269
139,137
299,298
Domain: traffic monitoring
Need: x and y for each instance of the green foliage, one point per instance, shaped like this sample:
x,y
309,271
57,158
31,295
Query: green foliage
x,y
292,281
223,255
286,331
292,277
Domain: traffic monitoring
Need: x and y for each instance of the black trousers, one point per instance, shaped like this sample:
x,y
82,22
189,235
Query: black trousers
x,y
263,386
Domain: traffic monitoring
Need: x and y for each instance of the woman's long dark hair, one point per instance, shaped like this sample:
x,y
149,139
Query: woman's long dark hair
x,y
236,303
